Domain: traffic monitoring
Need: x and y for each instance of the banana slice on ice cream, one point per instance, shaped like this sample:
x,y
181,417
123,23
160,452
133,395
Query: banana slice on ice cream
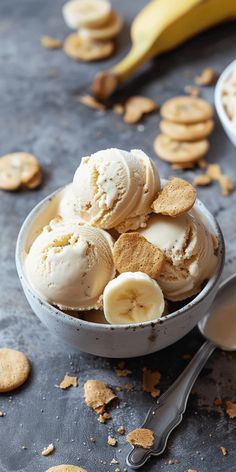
x,y
132,297
86,13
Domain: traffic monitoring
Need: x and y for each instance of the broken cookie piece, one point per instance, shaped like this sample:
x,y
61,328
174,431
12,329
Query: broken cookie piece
x,y
176,197
133,253
68,381
97,395
141,437
150,380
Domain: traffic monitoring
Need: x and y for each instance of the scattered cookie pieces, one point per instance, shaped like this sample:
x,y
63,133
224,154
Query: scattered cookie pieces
x,y
141,437
121,430
19,170
66,468
50,43
111,441
207,77
231,409
133,253
186,110
136,107
97,395
150,380
78,48
14,369
176,197
48,450
192,90
91,102
68,381
214,172
224,450
182,132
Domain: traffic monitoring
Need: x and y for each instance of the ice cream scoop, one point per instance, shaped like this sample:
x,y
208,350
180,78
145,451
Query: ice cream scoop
x,y
189,249
115,188
69,264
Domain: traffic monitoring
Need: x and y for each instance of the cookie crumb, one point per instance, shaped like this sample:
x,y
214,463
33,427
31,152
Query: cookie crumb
x,y
136,107
102,418
111,441
231,409
114,461
172,461
217,402
97,395
224,450
202,180
48,42
129,387
150,380
123,372
118,108
215,173
121,429
141,437
192,90
68,381
91,102
117,469
192,470
48,450
93,440
2,413
207,77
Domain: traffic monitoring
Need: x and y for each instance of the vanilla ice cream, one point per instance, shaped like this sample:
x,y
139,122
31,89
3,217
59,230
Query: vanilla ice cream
x,y
115,189
69,264
189,249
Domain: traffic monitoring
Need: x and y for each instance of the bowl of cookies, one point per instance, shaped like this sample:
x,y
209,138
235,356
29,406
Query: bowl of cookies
x,y
120,263
225,100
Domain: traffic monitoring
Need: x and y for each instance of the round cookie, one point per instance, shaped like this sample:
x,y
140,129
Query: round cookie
x,y
87,50
186,110
66,468
111,29
18,169
14,369
174,151
183,132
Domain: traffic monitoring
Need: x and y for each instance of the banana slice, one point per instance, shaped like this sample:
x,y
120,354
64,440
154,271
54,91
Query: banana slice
x,y
133,297
111,29
86,13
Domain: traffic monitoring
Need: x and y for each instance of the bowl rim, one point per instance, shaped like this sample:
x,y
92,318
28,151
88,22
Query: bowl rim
x,y
72,320
218,94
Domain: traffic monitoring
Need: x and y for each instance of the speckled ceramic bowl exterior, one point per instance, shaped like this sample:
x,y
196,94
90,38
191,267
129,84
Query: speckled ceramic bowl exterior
x,y
116,340
225,121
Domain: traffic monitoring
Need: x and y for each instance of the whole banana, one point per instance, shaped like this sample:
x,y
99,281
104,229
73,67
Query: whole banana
x,y
159,27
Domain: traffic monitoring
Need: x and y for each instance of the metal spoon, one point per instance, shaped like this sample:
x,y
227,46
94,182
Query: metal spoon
x,y
169,409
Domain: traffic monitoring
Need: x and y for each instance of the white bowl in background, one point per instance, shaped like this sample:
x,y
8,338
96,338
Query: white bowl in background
x,y
114,340
225,120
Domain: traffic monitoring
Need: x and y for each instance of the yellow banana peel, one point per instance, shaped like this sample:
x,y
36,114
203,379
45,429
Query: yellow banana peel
x,y
161,26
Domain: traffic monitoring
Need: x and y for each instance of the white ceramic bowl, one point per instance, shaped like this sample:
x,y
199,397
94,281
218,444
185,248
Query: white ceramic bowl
x,y
114,340
225,121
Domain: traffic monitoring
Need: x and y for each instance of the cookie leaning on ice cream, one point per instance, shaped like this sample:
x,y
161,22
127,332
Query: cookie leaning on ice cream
x,y
69,264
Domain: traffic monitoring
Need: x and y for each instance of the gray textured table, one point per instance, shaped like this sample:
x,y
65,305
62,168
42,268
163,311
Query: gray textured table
x,y
40,113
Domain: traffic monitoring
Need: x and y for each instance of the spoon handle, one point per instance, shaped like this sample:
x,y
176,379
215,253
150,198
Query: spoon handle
x,y
164,416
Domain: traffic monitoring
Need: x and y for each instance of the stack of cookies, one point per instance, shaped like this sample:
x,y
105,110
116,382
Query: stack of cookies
x,y
97,25
186,123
